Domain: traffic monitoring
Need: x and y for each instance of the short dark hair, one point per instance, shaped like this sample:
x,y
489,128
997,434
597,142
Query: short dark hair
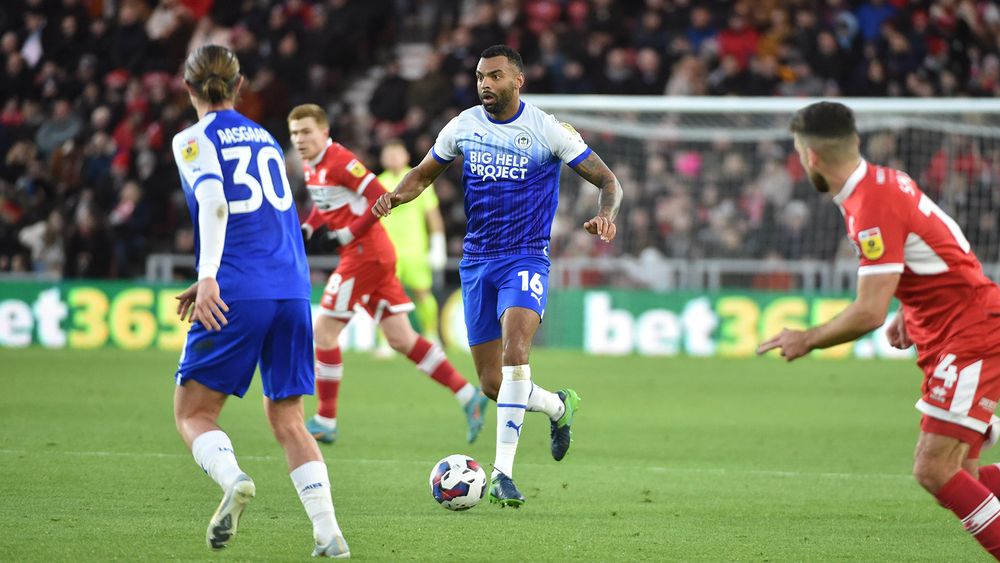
x,y
824,120
504,51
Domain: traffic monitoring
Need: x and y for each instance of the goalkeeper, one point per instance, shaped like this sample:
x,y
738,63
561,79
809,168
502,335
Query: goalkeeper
x,y
417,233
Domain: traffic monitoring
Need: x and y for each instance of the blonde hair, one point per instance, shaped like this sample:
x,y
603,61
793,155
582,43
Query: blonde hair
x,y
213,72
310,110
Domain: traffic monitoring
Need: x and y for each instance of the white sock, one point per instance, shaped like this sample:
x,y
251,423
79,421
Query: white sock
x,y
329,423
547,402
214,453
512,399
313,485
465,394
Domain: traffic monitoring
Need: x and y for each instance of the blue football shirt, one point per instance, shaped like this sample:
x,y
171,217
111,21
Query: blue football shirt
x,y
263,256
510,177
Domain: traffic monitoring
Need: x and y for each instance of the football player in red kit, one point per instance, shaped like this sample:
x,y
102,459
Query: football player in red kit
x,y
343,191
911,249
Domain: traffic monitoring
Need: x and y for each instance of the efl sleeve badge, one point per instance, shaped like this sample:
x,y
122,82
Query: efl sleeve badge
x,y
190,150
356,169
870,241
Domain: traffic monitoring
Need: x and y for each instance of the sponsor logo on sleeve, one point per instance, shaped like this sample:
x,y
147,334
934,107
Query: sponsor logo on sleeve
x,y
357,169
190,150
870,241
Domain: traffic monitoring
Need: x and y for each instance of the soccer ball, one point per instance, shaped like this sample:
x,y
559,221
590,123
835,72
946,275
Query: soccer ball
x,y
458,482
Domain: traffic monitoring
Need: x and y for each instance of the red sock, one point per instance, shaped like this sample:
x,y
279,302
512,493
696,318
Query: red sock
x,y
329,371
989,476
976,507
431,360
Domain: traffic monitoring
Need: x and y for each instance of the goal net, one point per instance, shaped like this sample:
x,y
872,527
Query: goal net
x,y
716,198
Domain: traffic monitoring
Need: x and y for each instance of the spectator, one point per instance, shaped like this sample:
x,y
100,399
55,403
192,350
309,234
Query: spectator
x,y
61,127
618,73
431,91
128,41
738,40
44,240
871,15
130,222
388,102
701,31
87,250
650,79
827,58
652,34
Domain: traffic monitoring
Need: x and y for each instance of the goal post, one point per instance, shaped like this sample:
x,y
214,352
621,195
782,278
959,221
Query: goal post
x,y
716,199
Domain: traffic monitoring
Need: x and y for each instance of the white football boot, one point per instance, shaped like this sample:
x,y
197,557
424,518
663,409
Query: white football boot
x,y
336,549
222,526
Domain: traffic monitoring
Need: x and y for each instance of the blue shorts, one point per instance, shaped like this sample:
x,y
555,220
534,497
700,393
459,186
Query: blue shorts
x,y
490,287
276,334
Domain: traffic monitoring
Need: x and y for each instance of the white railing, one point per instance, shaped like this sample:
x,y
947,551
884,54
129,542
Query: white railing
x,y
779,105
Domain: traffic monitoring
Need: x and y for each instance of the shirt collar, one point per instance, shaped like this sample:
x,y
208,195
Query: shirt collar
x,y
319,157
852,182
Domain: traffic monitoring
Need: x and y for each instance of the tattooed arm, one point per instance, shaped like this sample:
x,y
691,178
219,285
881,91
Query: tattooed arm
x,y
593,170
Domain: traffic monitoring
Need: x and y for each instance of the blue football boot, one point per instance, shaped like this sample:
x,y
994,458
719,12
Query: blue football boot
x,y
504,492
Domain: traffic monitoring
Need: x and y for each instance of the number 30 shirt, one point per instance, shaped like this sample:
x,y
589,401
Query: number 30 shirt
x,y
263,256
897,229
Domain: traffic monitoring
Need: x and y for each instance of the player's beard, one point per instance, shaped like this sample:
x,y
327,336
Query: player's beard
x,y
501,100
819,182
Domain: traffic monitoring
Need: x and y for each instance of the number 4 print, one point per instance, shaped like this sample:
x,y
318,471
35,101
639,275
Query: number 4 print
x,y
535,285
947,371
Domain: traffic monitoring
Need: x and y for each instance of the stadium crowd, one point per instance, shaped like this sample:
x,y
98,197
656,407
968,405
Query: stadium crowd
x,y
91,96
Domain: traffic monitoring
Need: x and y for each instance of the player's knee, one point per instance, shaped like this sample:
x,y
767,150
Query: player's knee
x,y
401,341
325,336
285,429
515,352
933,472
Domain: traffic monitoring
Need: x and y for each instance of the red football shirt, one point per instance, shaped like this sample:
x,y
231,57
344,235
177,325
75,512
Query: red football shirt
x,y
897,229
343,191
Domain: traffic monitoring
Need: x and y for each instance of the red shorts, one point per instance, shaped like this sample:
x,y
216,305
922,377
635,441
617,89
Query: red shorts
x,y
960,392
952,430
370,285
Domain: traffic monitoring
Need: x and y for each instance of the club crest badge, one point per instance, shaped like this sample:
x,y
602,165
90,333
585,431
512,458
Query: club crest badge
x,y
522,141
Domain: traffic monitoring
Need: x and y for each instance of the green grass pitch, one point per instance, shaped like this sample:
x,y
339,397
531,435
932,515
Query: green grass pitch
x,y
672,460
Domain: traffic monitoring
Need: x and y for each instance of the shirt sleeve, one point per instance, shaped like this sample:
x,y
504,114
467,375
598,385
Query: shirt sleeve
x,y
445,148
565,142
880,233
350,172
196,157
367,219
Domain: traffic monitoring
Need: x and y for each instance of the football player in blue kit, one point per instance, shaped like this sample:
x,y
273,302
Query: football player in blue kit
x,y
513,154
250,305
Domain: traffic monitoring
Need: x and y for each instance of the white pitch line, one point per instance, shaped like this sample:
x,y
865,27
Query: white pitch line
x,y
654,468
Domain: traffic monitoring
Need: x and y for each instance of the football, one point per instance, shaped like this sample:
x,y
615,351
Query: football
x,y
458,482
